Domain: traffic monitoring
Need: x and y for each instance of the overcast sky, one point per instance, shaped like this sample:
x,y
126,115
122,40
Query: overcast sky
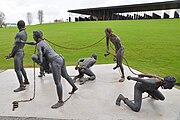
x,y
15,10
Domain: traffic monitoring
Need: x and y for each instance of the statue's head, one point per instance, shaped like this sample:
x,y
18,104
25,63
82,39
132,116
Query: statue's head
x,y
37,34
108,31
94,56
169,82
21,24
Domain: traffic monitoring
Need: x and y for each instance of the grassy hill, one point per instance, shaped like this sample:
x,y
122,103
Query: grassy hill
x,y
151,46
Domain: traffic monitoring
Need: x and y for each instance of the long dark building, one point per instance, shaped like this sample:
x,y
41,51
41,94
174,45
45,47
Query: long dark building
x,y
115,12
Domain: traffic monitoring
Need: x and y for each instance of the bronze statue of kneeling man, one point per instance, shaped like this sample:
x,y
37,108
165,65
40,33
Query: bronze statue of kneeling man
x,y
150,85
83,66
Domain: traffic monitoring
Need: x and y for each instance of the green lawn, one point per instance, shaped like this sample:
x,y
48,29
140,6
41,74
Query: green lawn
x,y
151,46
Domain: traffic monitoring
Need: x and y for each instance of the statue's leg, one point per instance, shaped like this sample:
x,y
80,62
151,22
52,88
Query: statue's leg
x,y
23,71
17,67
120,55
80,75
56,71
90,74
67,77
136,106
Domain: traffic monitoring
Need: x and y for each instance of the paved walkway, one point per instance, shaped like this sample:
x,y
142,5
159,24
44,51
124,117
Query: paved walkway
x,y
94,100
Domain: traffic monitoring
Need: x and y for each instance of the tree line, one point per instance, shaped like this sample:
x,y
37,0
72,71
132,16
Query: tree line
x,y
29,17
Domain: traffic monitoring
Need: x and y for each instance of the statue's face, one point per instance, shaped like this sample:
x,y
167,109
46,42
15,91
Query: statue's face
x,y
20,24
169,82
35,36
94,56
168,85
108,32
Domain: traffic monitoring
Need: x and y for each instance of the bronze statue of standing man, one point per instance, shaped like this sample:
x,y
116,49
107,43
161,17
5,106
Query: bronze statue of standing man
x,y
119,50
18,54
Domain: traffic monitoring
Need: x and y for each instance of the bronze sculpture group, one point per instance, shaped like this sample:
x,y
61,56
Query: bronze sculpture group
x,y
52,62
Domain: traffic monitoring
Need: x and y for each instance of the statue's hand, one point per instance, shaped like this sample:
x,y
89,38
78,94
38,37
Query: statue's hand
x,y
76,67
140,75
107,53
8,56
129,77
32,43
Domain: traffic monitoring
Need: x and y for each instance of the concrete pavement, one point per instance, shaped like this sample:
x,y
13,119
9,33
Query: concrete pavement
x,y
95,100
